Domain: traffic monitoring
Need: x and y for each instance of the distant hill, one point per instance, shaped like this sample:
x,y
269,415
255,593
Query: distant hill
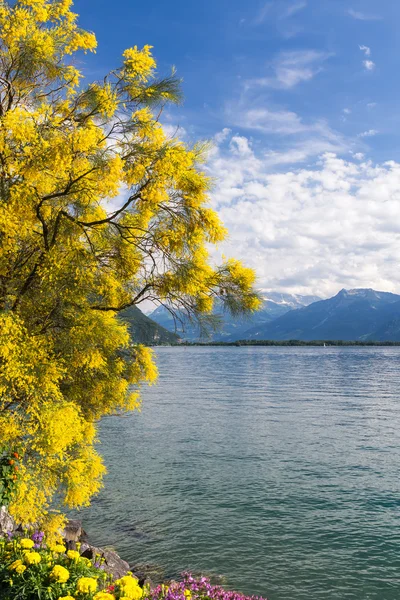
x,y
233,328
144,330
360,314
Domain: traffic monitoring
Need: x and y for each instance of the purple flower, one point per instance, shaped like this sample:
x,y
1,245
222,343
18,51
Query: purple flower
x,y
38,537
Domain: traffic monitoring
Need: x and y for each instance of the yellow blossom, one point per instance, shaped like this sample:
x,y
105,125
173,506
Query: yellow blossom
x,y
59,574
32,558
103,596
27,543
73,555
86,585
58,548
70,260
20,569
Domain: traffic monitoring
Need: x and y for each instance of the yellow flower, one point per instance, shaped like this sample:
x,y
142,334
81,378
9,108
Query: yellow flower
x,y
103,596
188,594
59,548
73,555
20,569
134,593
15,565
33,558
128,580
26,543
129,587
60,574
86,585
66,598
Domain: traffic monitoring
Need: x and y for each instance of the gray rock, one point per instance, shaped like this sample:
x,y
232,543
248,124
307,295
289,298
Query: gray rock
x,y
7,523
112,563
72,531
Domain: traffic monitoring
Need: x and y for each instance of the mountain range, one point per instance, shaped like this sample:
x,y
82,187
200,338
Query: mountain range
x,y
144,330
361,314
275,304
351,315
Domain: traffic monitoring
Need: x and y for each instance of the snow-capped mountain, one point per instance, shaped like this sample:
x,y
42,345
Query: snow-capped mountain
x,y
233,328
357,314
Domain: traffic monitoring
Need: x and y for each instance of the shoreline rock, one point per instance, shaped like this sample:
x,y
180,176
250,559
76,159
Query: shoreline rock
x,y
110,560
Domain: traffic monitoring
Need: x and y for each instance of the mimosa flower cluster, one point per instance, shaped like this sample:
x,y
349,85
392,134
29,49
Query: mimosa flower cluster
x,y
31,569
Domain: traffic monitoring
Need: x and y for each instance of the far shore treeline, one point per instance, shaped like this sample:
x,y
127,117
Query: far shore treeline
x,y
288,343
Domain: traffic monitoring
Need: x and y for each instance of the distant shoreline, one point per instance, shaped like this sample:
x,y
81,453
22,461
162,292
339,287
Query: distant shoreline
x,y
286,343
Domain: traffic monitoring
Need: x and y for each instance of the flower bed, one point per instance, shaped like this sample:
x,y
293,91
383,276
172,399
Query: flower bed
x,y
31,570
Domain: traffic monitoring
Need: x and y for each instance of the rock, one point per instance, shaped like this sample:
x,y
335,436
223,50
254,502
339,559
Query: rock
x,y
150,574
143,579
112,563
73,533
7,523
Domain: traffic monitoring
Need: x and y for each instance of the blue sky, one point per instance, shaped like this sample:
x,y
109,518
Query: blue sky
x,y
301,100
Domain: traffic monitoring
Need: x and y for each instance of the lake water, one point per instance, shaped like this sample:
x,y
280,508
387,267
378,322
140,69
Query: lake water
x,y
278,468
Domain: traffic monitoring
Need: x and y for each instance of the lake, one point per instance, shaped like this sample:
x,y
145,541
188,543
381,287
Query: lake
x,y
277,468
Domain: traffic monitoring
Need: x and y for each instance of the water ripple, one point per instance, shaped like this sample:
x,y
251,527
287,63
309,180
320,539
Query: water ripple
x,y
276,467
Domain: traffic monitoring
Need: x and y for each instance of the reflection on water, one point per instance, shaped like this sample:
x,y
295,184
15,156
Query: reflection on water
x,y
276,467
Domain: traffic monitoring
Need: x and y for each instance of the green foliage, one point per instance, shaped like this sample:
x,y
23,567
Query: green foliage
x,y
8,477
32,570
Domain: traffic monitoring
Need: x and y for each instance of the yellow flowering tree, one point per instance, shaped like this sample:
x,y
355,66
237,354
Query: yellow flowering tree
x,y
99,211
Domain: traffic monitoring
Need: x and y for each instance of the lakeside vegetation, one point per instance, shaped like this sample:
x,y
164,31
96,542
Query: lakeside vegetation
x,y
73,269
32,569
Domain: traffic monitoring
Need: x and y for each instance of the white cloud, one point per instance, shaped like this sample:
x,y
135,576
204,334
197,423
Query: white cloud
x,y
295,139
175,131
347,111
262,13
369,65
292,68
279,9
371,105
292,9
316,229
366,50
270,121
361,16
369,133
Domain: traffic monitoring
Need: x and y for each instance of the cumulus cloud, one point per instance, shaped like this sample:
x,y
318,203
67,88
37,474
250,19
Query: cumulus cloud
x,y
332,224
297,140
369,65
291,68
